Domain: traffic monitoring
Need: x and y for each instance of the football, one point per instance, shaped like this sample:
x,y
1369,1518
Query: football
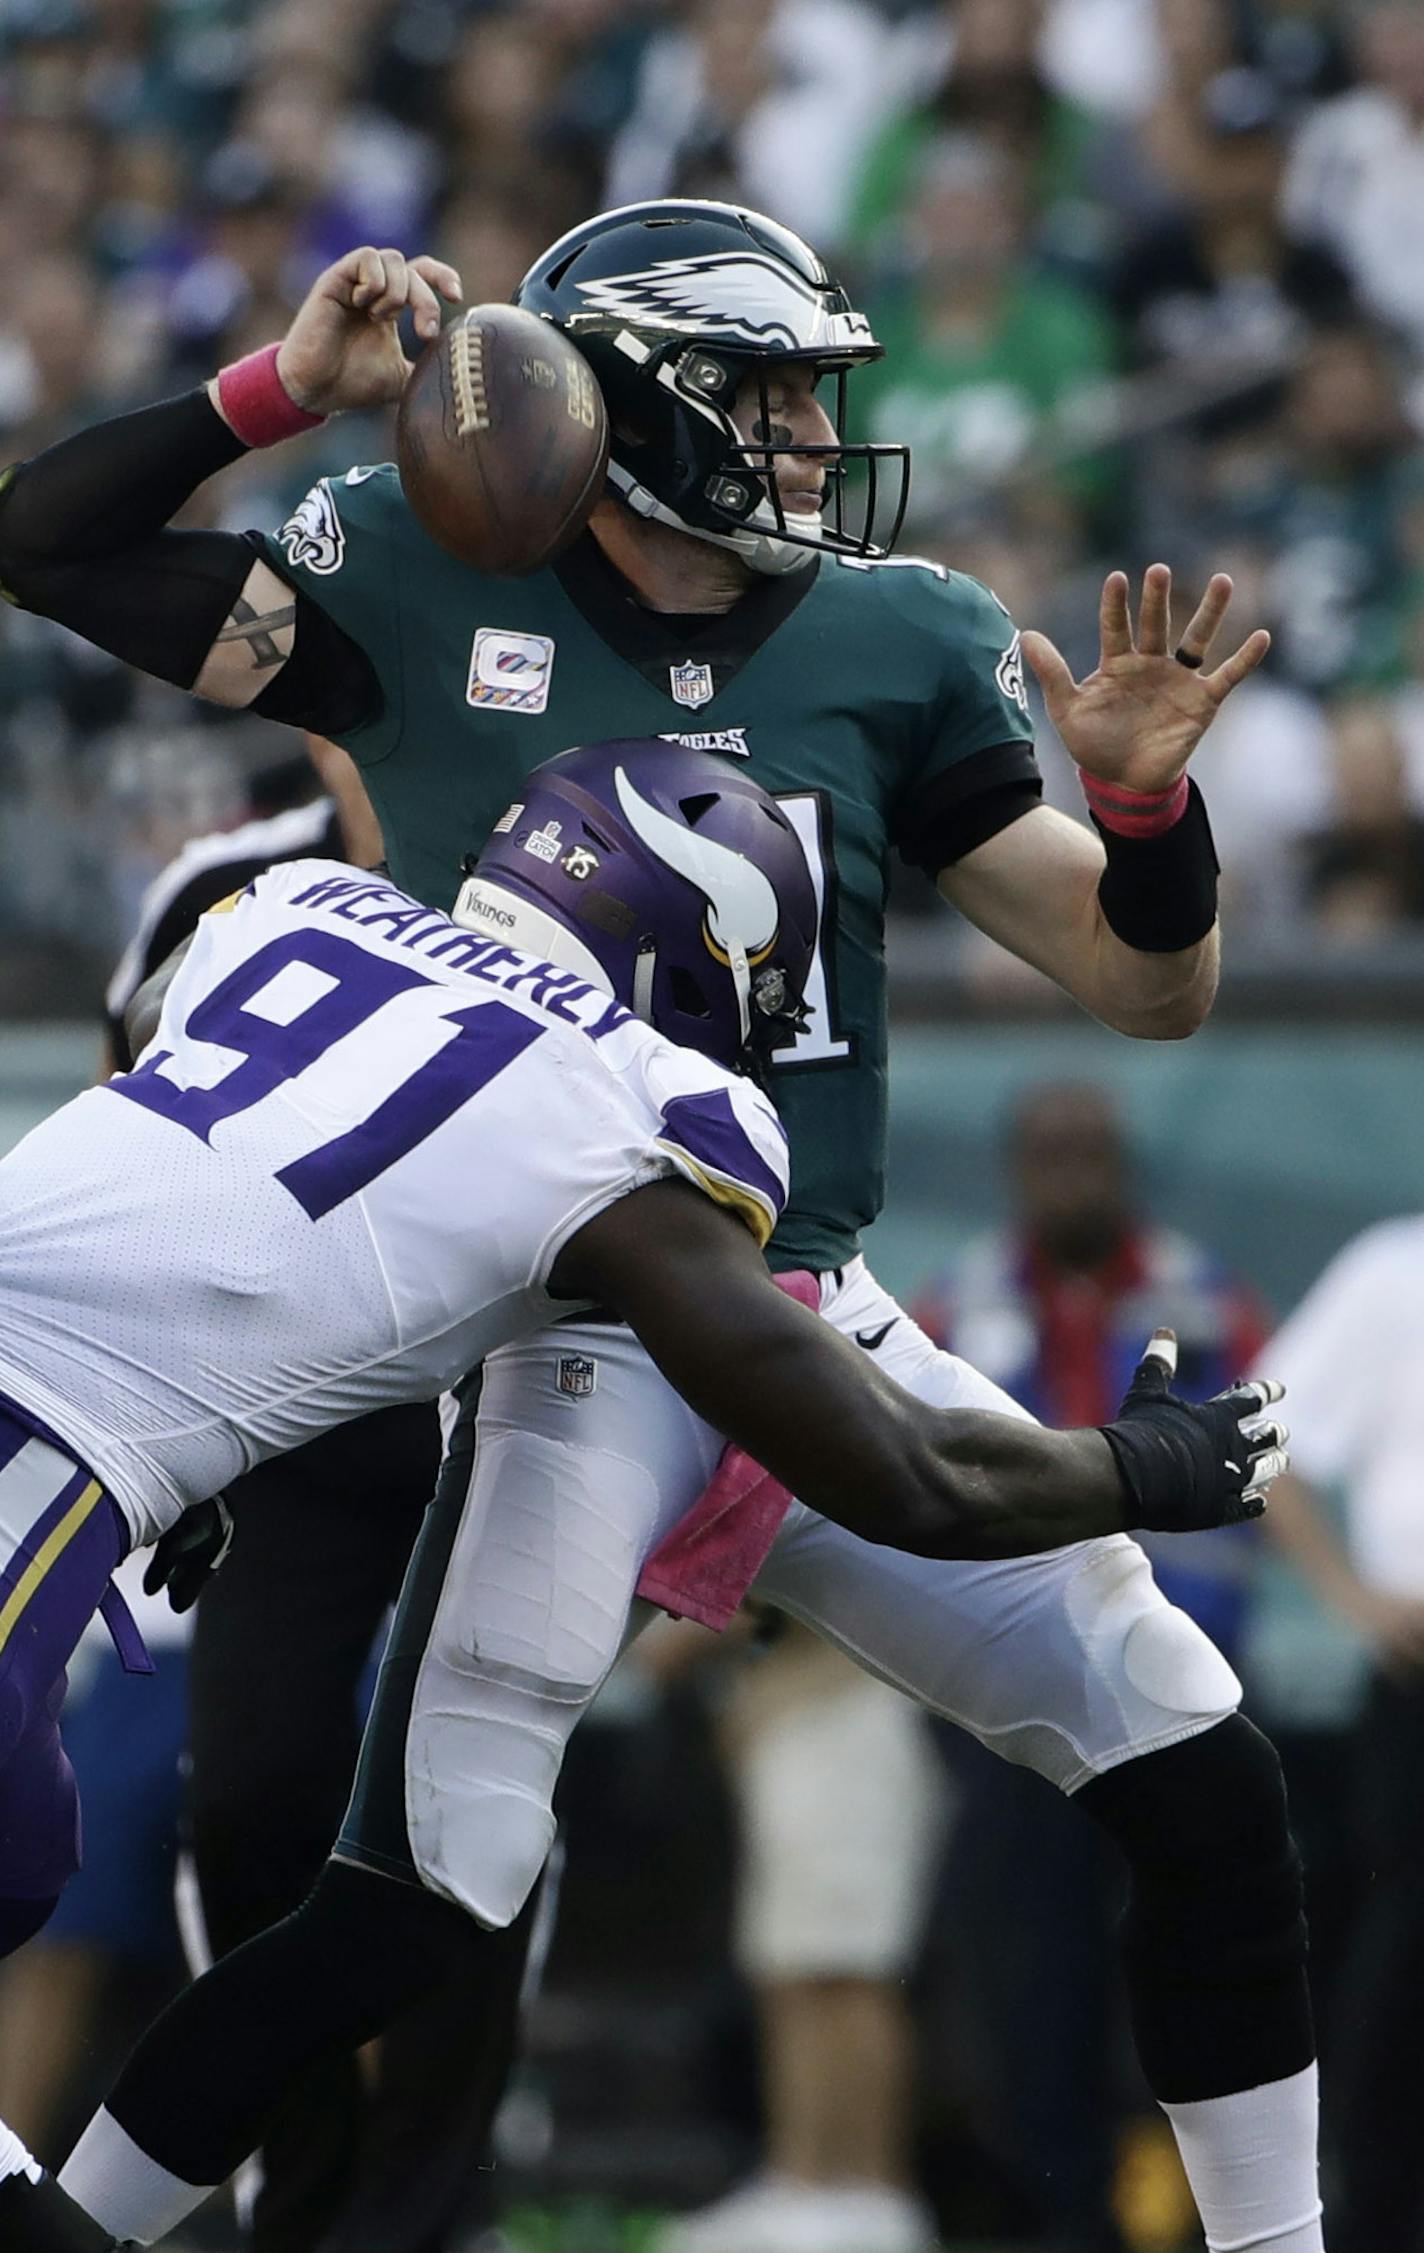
x,y
502,440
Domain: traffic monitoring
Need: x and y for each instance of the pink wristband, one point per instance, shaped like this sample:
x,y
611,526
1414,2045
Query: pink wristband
x,y
257,405
1134,813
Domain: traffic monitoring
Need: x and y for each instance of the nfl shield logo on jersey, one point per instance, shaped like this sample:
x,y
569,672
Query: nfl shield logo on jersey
x,y
577,1375
691,684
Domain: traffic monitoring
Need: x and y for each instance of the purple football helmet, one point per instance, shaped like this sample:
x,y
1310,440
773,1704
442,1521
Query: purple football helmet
x,y
666,876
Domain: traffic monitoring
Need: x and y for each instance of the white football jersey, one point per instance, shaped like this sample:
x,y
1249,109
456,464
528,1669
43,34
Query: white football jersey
x,y
340,1175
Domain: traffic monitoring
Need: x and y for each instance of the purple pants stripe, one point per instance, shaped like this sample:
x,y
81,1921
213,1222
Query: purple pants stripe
x,y
50,1587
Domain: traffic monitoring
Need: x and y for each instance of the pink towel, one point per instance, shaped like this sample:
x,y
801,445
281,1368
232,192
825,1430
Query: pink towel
x,y
704,1567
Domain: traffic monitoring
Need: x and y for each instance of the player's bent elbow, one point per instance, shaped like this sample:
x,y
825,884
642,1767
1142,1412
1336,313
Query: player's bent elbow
x,y
1172,1016
1177,1024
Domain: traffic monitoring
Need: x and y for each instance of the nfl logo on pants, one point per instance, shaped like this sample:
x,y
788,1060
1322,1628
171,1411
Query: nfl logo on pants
x,y
691,684
577,1375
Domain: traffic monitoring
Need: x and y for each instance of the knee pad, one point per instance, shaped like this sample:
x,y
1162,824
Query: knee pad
x,y
531,1616
480,1830
1216,1910
1216,1877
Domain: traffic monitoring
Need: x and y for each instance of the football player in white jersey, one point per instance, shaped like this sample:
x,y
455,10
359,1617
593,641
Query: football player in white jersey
x,y
365,1148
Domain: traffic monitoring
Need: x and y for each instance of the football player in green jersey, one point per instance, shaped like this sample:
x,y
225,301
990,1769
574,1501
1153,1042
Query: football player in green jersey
x,y
719,597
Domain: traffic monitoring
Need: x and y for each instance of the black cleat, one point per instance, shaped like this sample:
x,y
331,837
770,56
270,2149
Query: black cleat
x,y
42,2218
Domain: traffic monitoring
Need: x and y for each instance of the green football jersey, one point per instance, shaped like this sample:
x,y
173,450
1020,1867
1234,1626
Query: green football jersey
x,y
882,704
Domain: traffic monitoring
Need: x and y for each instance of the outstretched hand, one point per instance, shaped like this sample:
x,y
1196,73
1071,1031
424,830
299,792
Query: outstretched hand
x,y
1137,720
1187,1465
343,349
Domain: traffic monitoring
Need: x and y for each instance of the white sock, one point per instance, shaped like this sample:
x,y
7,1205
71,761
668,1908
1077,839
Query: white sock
x,y
1251,2162
120,2186
15,2159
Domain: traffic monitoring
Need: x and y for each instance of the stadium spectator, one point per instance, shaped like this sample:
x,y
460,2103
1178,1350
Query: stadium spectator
x,y
1055,1305
493,235
986,354
1367,877
1335,502
1301,44
55,374
1145,168
1357,178
988,80
499,95
838,1799
1353,1356
250,247
761,101
52,180
1104,54
1272,778
1322,491
1220,293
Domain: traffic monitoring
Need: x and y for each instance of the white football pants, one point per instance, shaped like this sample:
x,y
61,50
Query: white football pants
x,y
1069,1662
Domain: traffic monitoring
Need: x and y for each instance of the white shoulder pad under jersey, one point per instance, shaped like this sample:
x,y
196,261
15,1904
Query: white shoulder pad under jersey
x,y
339,1175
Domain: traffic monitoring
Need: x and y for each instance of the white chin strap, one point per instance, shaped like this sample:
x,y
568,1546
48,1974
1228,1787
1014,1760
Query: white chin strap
x,y
764,551
497,914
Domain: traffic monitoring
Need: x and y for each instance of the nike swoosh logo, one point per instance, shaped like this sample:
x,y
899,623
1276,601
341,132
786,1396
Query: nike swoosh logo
x,y
870,1339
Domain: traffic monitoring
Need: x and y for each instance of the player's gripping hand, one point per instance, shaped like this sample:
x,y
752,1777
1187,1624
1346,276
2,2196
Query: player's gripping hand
x,y
1187,1466
343,348
186,1557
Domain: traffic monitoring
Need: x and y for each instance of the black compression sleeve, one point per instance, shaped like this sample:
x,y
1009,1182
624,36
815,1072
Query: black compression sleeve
x,y
107,487
159,604
202,2086
82,536
83,541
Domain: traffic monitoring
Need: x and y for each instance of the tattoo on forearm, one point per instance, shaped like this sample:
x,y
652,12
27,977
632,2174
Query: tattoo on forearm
x,y
257,630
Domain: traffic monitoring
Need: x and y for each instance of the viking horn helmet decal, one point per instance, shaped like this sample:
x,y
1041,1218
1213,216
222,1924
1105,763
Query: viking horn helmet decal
x,y
742,909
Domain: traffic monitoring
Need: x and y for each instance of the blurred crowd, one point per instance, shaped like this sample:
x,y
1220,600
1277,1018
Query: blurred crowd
x,y
1148,272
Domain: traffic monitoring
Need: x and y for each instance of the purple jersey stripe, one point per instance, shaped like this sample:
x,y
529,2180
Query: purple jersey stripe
x,y
708,1129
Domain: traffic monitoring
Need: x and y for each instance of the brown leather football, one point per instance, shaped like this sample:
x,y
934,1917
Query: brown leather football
x,y
502,440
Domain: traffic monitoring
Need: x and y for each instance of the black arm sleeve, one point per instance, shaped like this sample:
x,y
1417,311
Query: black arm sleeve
x,y
84,540
967,804
94,494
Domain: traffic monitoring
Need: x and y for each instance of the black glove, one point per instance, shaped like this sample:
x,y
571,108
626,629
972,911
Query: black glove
x,y
186,1557
1187,1466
